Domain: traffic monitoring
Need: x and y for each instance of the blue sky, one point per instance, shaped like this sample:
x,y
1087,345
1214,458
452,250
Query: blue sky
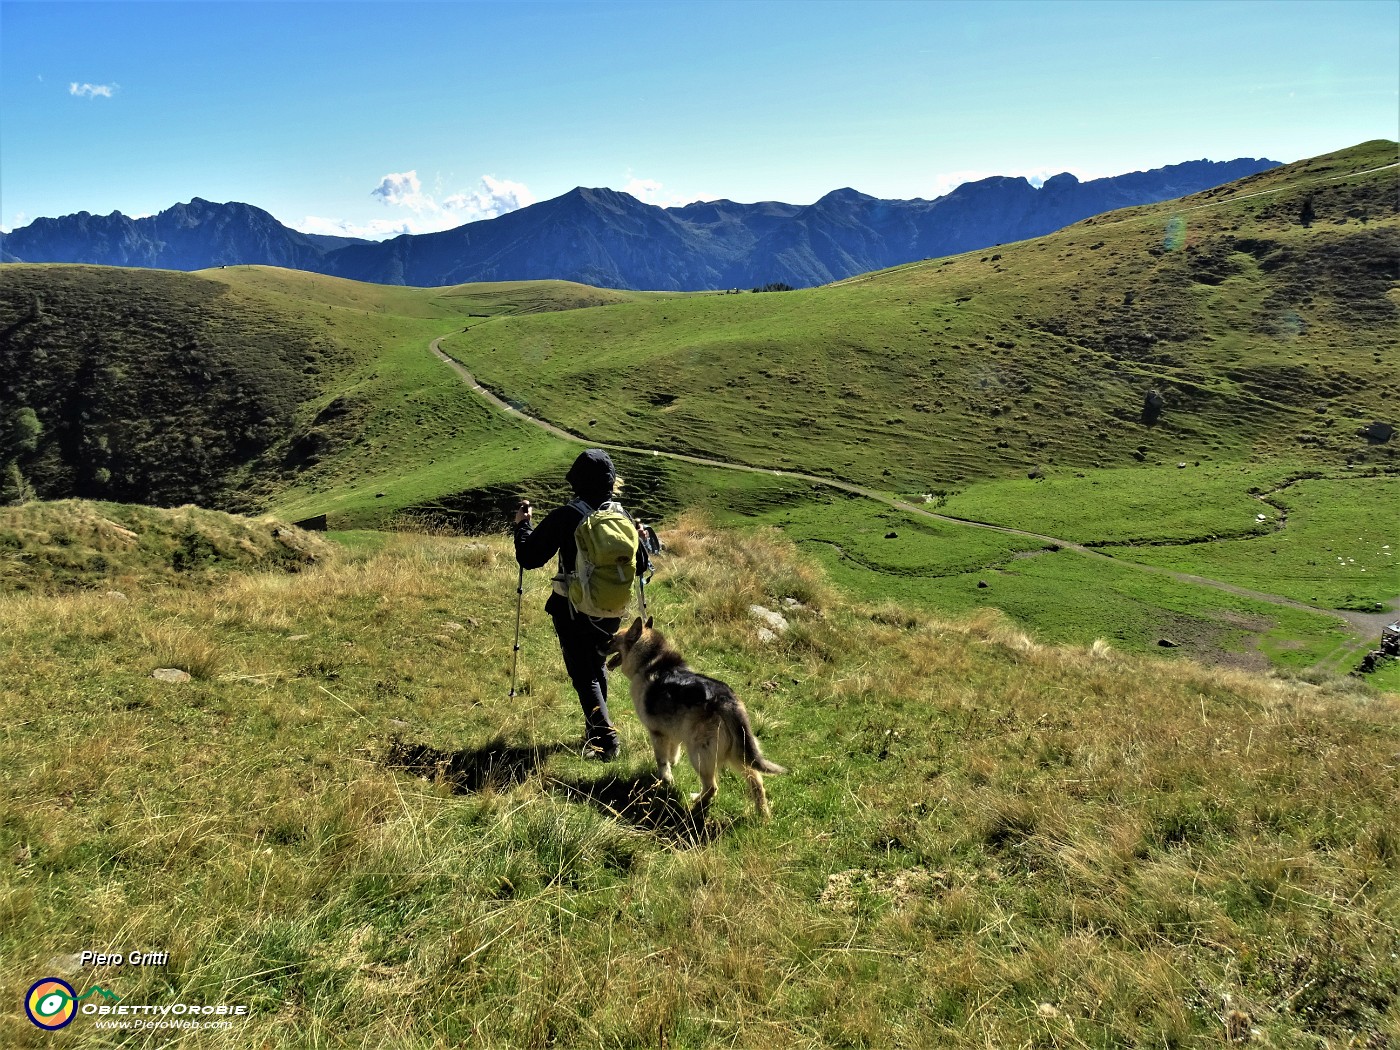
x,y
381,117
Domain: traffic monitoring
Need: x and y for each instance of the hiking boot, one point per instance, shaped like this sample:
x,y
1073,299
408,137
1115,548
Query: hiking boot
x,y
601,749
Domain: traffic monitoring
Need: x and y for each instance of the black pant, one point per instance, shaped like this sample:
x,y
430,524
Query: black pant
x,y
584,643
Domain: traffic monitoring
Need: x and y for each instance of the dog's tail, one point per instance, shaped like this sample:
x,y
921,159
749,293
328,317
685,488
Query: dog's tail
x,y
742,733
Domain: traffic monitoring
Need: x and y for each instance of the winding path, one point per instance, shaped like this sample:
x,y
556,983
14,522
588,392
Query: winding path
x,y
1364,626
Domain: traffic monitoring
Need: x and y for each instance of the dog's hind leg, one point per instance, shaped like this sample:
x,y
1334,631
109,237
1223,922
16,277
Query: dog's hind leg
x,y
760,797
705,758
666,751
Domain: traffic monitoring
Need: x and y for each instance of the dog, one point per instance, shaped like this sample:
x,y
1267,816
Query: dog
x,y
680,707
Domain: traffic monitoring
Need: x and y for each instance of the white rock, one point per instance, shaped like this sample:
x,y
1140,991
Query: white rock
x,y
775,620
170,674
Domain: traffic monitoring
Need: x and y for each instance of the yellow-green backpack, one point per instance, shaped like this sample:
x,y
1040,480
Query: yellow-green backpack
x,y
606,566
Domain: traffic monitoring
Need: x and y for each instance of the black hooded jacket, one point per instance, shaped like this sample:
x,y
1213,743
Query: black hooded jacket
x,y
592,478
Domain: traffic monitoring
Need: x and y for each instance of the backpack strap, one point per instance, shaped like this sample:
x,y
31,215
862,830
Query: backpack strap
x,y
561,578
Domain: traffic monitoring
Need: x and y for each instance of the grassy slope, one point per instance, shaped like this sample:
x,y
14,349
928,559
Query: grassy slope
x,y
332,374
397,422
984,840
1272,344
1064,596
1328,541
897,378
1036,354
148,386
83,545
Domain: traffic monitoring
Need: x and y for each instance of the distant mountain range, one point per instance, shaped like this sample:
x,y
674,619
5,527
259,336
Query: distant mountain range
x,y
612,240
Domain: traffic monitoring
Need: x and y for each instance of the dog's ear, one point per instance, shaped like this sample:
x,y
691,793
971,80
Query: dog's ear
x,y
648,623
635,631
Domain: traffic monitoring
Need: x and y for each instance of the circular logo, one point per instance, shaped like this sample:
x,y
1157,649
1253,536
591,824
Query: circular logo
x,y
51,1003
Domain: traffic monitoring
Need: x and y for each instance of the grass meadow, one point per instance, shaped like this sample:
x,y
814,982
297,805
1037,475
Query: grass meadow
x,y
342,821
1014,817
1266,339
1004,386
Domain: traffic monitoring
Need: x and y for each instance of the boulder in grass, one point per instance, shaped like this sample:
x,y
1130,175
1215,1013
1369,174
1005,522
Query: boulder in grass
x,y
771,623
170,674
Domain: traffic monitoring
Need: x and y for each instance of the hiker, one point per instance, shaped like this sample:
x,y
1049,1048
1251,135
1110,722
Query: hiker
x,y
583,639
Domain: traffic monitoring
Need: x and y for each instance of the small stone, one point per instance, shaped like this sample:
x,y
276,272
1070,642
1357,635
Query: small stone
x,y
1166,643
298,637
776,621
983,583
116,596
453,625
170,674
891,535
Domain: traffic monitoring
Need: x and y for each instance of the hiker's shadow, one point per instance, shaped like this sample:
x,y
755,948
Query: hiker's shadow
x,y
496,766
644,802
641,801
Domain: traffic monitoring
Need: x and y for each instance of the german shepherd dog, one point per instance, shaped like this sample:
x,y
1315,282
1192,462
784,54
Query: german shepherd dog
x,y
678,706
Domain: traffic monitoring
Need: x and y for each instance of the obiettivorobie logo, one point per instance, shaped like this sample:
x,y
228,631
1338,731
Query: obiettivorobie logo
x,y
52,1003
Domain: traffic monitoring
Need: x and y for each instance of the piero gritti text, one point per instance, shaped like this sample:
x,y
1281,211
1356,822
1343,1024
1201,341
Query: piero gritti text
x,y
89,958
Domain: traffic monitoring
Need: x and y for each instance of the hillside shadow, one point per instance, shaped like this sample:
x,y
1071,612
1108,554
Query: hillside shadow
x,y
645,803
496,765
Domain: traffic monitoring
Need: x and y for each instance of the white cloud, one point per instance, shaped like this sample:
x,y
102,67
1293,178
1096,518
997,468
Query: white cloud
x,y
91,90
401,190
374,230
650,191
494,197
418,211
643,189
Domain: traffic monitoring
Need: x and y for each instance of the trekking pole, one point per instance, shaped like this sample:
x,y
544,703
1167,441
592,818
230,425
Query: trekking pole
x,y
519,601
642,595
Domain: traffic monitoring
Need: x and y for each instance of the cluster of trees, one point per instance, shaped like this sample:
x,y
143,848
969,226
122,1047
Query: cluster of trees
x,y
139,386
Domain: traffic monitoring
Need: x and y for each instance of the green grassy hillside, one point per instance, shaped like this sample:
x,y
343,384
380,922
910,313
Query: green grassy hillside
x,y
1168,384
343,823
144,385
1262,335
227,386
1007,387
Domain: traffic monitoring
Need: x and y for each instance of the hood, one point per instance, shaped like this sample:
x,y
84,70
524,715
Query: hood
x,y
592,476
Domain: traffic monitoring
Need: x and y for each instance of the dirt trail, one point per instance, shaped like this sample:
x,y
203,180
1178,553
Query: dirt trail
x,y
1365,627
